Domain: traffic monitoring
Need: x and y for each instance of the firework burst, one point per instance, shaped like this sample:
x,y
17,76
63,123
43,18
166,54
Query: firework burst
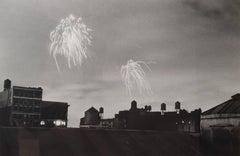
x,y
70,39
133,75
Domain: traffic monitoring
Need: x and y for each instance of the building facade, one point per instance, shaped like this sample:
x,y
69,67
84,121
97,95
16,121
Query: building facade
x,y
222,121
23,106
145,119
91,118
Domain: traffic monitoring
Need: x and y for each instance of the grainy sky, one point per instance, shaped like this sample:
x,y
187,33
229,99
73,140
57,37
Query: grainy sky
x,y
195,44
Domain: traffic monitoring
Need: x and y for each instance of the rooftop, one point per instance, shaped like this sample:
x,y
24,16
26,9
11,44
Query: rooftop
x,y
231,106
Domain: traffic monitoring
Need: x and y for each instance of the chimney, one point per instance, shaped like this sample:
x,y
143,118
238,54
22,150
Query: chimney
x,y
7,84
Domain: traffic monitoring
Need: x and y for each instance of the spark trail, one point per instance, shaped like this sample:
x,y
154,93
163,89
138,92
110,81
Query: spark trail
x,y
133,75
70,39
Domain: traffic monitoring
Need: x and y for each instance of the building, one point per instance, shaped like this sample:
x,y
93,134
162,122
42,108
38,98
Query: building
x,y
220,126
106,123
222,121
23,106
54,113
144,119
94,119
91,118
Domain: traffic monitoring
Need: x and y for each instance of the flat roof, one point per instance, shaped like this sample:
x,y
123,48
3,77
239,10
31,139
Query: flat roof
x,y
27,88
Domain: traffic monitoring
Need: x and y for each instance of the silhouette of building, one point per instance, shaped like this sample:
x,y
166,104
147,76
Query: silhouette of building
x,y
106,123
23,106
144,119
91,118
222,121
54,113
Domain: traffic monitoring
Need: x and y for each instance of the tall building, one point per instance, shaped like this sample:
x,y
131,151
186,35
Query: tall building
x,y
23,106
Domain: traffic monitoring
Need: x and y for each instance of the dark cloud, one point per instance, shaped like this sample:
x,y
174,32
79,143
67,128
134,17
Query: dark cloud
x,y
218,9
225,14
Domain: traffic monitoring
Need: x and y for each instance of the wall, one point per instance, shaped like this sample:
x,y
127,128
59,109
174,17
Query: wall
x,y
91,118
86,142
4,98
222,131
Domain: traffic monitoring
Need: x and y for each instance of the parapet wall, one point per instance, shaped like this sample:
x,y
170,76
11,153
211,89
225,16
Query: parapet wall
x,y
222,131
94,142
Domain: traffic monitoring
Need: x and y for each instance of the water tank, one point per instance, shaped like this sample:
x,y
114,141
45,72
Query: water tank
x,y
149,108
177,105
101,110
7,84
134,104
163,106
146,107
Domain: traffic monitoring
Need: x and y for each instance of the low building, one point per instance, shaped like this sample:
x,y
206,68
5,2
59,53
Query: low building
x,y
222,122
54,113
144,119
106,123
91,118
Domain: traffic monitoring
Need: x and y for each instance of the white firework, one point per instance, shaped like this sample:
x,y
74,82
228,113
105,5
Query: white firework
x,y
133,75
70,39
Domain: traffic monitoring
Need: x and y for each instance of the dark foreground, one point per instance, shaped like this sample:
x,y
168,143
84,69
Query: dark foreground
x,y
91,142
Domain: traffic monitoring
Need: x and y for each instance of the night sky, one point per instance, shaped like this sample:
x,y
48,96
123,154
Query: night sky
x,y
194,44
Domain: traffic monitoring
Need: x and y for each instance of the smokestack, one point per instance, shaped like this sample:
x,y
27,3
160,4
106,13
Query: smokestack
x,y
163,108
7,84
177,107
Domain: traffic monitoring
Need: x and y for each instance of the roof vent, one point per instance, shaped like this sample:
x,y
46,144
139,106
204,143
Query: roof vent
x,y
236,96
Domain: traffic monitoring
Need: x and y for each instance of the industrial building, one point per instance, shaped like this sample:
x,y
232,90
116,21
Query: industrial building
x,y
23,106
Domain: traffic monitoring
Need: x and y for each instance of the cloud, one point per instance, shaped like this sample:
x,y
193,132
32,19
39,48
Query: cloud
x,y
226,14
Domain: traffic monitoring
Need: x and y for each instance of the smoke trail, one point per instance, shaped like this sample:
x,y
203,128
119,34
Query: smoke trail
x,y
70,39
133,75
